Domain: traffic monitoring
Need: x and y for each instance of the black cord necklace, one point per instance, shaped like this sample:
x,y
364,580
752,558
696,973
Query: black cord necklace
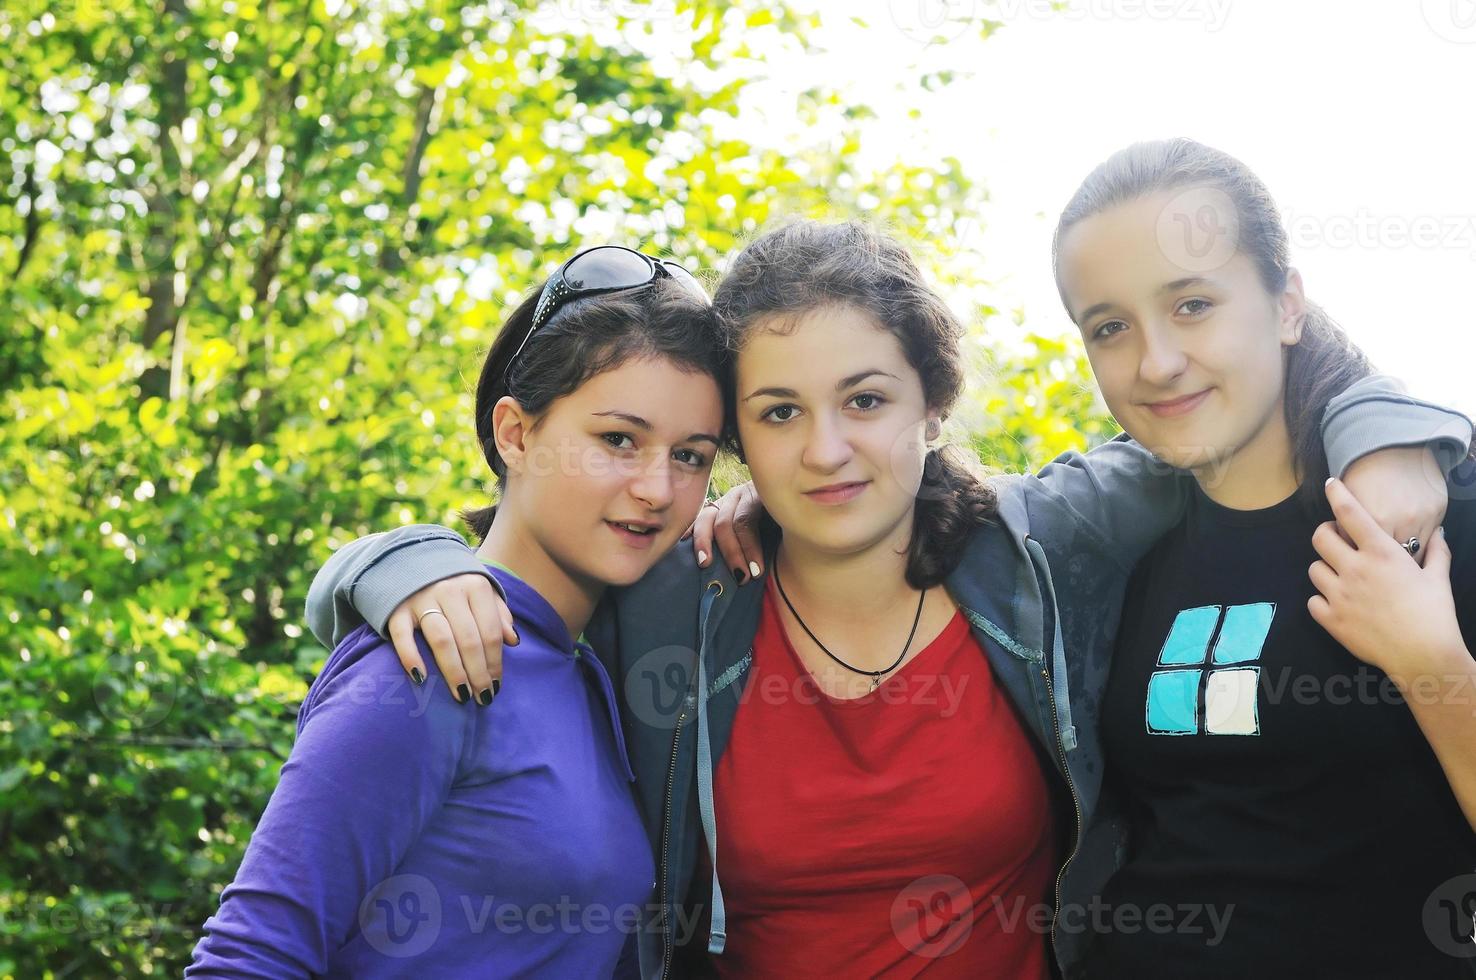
x,y
875,675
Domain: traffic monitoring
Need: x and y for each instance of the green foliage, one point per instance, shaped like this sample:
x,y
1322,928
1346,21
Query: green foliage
x,y
250,253
1038,403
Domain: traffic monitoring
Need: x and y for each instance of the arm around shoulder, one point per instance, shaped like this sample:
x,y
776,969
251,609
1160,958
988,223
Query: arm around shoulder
x,y
1376,413
366,579
1128,499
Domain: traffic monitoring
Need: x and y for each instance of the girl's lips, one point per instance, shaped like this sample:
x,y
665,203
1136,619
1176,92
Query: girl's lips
x,y
838,494
641,541
1179,406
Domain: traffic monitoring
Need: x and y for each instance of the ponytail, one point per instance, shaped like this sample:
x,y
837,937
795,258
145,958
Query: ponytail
x,y
1321,364
952,502
479,520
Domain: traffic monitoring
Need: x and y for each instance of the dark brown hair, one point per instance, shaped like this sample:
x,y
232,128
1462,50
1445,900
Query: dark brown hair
x,y
586,337
810,265
1324,361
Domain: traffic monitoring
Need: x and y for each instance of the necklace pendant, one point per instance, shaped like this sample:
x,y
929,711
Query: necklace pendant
x,y
875,683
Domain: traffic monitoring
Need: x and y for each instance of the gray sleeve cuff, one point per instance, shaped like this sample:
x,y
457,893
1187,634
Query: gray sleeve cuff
x,y
400,572
1353,430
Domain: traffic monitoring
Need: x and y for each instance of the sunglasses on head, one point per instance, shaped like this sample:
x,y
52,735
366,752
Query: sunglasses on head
x,y
604,269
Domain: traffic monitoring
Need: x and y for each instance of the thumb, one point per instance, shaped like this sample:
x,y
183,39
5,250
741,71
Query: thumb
x,y
1437,559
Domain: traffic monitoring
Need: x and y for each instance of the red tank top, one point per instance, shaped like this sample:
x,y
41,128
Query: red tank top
x,y
905,833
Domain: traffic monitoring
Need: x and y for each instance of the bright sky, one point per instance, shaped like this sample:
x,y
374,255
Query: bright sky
x,y
1356,114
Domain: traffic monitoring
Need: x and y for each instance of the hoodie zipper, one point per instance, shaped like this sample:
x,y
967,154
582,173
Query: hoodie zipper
x,y
668,939
1075,802
1045,673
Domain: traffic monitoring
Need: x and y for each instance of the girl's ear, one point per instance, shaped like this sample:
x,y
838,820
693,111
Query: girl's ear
x,y
510,428
1293,305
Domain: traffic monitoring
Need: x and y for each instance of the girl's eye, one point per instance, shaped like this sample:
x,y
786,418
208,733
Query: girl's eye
x,y
1194,307
691,458
872,402
614,439
779,413
1108,329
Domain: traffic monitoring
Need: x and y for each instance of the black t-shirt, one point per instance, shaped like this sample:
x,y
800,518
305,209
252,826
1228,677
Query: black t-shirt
x,y
1288,817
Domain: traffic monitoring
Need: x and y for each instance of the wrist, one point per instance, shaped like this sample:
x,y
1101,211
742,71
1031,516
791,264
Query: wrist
x,y
1445,664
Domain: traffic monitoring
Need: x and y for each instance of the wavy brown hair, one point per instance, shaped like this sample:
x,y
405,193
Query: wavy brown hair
x,y
810,265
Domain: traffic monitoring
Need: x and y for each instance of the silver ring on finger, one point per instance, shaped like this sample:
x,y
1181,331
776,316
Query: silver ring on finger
x,y
710,503
1412,546
420,617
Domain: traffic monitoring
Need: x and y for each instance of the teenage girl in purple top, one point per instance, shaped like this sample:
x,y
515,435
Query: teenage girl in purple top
x,y
408,837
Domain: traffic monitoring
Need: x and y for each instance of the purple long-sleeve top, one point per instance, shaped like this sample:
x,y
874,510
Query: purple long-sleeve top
x,y
414,836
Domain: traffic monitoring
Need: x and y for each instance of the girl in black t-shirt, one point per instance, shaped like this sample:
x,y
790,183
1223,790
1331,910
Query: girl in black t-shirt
x,y
1297,754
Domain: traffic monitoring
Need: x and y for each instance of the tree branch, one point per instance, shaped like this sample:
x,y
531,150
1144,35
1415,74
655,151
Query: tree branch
x,y
391,256
33,221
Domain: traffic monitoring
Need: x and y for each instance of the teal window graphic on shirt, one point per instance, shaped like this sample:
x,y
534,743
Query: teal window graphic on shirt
x,y
1210,672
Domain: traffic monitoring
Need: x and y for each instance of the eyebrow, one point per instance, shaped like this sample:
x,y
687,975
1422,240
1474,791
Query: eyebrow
x,y
840,385
1168,287
645,426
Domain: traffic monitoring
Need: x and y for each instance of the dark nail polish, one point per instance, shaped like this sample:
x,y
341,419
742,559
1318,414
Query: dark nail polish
x,y
463,693
738,574
485,698
496,687
416,675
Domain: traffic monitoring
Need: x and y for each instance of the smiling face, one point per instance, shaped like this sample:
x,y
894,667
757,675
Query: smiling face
x,y
611,474
832,420
1189,360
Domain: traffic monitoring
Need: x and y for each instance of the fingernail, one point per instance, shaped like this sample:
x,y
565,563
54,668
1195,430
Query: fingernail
x,y
702,558
416,675
463,693
516,638
754,569
496,687
485,698
1328,483
738,574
